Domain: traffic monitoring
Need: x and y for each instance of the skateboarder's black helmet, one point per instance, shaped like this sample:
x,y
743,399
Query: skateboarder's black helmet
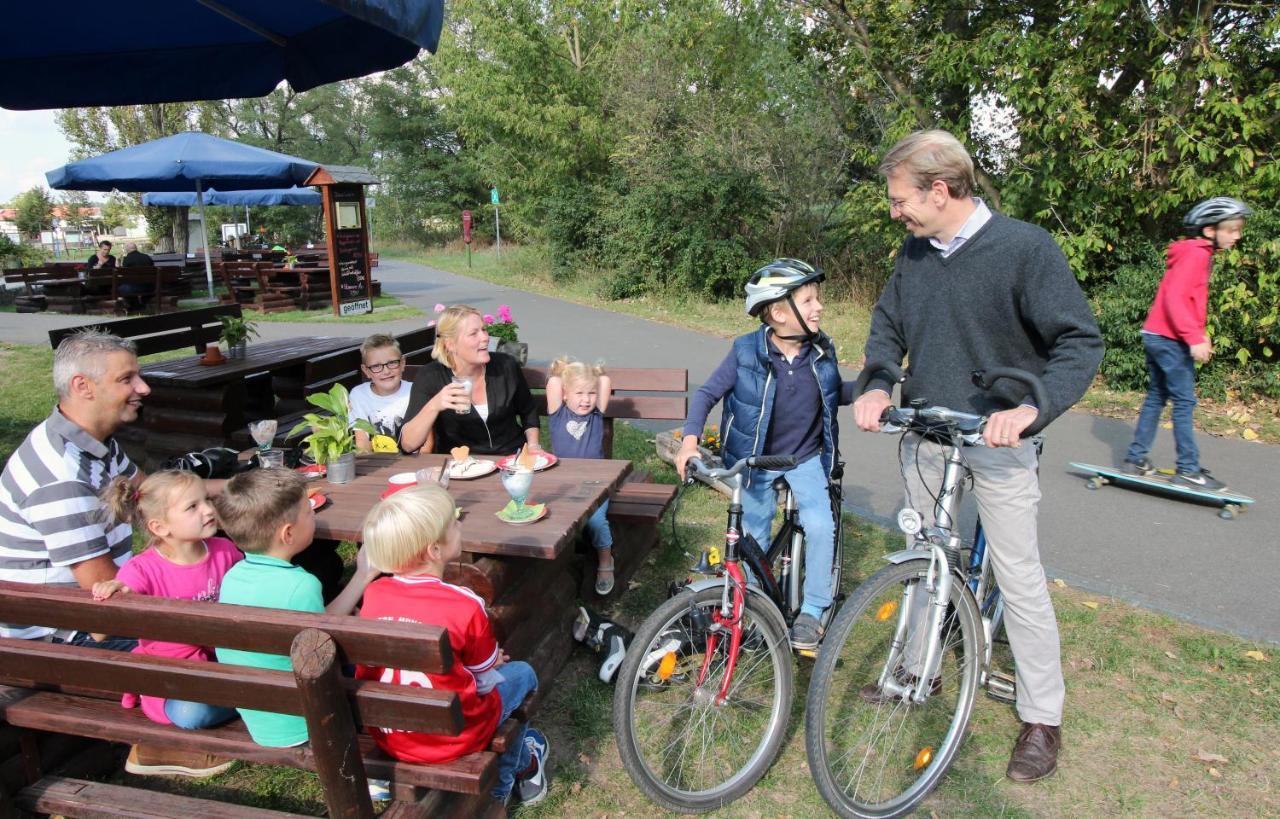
x,y
777,280
1215,210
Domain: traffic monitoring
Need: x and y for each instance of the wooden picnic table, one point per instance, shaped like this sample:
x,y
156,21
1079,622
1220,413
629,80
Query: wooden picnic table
x,y
572,490
193,406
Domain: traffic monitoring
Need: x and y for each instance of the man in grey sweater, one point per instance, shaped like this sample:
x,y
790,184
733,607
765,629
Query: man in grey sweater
x,y
974,289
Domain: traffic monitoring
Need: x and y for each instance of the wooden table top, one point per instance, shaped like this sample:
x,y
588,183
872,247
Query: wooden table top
x,y
259,356
572,490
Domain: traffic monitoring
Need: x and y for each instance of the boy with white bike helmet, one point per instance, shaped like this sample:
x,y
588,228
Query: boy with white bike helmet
x,y
781,387
1175,340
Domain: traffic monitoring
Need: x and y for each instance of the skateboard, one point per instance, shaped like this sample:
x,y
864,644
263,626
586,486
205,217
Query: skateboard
x,y
1231,503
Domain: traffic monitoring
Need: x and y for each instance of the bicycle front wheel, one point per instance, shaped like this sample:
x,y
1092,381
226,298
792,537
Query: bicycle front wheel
x,y
683,746
873,751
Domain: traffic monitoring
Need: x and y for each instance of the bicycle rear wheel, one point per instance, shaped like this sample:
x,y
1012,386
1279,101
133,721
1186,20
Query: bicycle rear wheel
x,y
873,754
682,748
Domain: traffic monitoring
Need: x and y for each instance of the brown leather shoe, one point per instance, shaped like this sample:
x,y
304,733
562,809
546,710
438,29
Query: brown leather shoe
x,y
146,760
1035,755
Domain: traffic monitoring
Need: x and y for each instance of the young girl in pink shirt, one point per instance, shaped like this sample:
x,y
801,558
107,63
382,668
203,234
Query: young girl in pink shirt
x,y
183,562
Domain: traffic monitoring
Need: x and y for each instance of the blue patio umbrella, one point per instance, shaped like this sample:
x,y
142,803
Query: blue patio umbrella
x,y
82,52
248,199
184,162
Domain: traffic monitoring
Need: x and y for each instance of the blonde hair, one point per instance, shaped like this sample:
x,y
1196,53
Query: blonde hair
x,y
447,328
398,530
254,505
376,342
930,156
575,372
85,353
149,500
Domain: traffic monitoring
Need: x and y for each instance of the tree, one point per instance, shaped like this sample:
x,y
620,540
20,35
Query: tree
x,y
35,212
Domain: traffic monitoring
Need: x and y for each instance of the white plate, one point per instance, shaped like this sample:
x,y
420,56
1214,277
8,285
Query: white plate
x,y
476,469
403,478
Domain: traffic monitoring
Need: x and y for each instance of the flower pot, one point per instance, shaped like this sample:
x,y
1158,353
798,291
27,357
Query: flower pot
x,y
342,470
518,350
237,352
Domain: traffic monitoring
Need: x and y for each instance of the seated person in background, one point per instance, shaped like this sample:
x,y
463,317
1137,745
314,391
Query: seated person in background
x,y
54,528
412,535
577,396
135,258
469,396
102,259
183,561
384,398
268,514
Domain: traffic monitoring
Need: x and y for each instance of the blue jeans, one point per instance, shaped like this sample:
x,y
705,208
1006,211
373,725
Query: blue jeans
x,y
519,680
195,715
82,638
808,482
598,528
1173,378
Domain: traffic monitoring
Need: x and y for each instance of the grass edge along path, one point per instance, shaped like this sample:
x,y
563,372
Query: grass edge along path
x,y
527,268
1163,718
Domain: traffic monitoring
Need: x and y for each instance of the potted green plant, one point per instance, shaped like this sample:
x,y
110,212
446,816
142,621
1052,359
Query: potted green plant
x,y
236,332
506,331
332,438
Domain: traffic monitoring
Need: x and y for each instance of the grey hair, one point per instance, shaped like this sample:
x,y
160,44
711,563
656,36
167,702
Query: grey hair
x,y
84,353
929,156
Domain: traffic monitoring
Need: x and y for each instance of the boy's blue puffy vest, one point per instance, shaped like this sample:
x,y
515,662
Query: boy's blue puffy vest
x,y
749,405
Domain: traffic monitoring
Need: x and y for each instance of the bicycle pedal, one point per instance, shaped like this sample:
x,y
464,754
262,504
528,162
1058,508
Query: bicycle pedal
x,y
1002,687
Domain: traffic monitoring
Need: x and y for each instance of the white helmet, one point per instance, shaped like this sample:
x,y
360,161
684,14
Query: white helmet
x,y
778,280
1215,210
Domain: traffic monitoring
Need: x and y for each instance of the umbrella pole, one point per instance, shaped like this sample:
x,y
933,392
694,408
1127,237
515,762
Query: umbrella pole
x,y
204,228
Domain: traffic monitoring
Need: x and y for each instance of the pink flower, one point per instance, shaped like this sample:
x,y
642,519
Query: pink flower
x,y
439,308
504,312
488,318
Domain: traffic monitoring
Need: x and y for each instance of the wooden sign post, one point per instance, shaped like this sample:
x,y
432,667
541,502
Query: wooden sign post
x,y
346,227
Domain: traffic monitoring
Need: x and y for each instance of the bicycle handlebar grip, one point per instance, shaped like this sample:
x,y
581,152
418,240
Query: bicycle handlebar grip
x,y
773,462
985,378
873,367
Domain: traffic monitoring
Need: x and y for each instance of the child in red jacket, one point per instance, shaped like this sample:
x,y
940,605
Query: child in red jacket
x,y
1174,338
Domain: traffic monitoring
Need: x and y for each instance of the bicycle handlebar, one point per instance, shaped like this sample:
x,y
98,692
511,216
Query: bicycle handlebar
x,y
771,462
983,378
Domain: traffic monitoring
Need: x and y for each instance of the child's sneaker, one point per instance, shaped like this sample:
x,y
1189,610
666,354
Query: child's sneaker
x,y
533,788
1141,467
1199,480
806,633
380,790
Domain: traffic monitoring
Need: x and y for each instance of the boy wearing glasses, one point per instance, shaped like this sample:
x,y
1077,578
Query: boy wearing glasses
x,y
383,399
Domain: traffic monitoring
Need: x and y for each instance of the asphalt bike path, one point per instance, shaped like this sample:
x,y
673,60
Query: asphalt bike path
x,y
1163,554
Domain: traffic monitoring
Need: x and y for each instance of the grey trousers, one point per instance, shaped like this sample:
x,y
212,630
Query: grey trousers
x,y
1006,487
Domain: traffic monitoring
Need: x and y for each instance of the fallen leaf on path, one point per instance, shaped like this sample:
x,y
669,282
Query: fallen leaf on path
x,y
586,760
575,787
1256,692
1059,582
1205,756
1089,604
1256,655
633,584
1214,772
1249,435
1171,655
1173,783
1167,425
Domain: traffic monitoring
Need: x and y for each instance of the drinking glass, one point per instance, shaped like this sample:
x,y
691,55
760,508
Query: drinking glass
x,y
433,474
263,433
517,481
466,385
271,457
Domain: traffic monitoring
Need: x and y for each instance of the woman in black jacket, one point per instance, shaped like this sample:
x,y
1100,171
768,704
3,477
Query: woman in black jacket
x,y
495,416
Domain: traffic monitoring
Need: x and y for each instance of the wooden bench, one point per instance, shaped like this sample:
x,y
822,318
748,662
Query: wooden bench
x,y
32,299
75,691
158,288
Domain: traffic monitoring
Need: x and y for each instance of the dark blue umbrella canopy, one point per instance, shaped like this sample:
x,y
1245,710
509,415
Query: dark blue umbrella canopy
x,y
175,163
78,53
251,199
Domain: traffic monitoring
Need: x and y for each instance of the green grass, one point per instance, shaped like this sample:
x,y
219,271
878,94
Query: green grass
x,y
385,308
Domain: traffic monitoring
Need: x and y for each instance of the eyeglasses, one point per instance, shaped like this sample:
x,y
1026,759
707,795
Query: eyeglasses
x,y
896,204
393,364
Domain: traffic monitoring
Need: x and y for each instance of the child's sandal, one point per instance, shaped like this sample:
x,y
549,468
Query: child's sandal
x,y
604,580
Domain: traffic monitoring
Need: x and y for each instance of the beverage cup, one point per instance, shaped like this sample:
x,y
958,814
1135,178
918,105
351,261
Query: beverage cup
x,y
433,474
466,385
271,458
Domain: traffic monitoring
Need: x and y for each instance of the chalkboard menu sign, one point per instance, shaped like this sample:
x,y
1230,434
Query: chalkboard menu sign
x,y
349,258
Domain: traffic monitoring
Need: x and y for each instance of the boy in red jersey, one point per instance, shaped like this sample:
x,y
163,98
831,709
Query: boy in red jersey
x,y
1175,340
412,535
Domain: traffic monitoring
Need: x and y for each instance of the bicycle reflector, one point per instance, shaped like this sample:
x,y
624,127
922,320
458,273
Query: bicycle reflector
x,y
924,757
667,666
887,610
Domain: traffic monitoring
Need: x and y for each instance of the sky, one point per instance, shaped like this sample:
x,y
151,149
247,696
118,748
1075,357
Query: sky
x,y
30,144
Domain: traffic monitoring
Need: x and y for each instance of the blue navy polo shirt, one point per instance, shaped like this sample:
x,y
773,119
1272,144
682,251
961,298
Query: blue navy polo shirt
x,y
796,424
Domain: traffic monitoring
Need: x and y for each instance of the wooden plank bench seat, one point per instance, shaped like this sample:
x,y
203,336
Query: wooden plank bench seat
x,y
75,691
67,796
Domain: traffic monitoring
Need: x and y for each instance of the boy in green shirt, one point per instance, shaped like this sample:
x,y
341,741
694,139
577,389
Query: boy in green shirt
x,y
269,516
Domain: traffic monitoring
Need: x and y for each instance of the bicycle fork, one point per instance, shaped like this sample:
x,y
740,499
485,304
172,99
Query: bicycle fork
x,y
733,601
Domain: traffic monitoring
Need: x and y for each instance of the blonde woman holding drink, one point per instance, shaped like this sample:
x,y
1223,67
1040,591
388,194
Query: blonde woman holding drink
x,y
469,396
